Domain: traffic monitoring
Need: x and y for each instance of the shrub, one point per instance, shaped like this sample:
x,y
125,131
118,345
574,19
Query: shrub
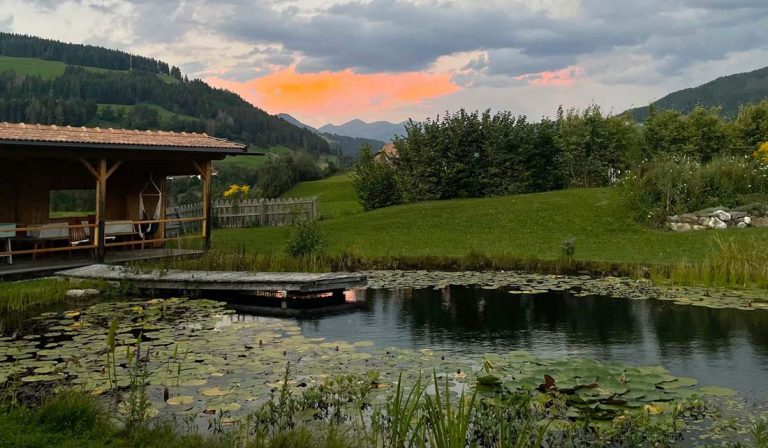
x,y
375,181
672,185
307,239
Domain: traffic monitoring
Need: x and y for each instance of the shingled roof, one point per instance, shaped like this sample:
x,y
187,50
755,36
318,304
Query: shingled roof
x,y
20,133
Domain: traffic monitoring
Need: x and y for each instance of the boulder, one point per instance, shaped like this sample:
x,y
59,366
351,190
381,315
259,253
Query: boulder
x,y
722,215
738,215
688,218
716,223
742,225
674,218
759,222
748,220
679,226
78,293
698,227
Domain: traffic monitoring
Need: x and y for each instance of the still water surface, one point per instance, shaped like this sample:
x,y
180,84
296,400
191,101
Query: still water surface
x,y
716,346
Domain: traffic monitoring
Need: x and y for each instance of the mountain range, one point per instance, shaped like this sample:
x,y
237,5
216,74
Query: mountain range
x,y
382,131
378,130
342,142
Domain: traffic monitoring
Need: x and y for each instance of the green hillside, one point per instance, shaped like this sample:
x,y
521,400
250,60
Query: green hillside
x,y
32,67
530,225
50,82
165,115
727,92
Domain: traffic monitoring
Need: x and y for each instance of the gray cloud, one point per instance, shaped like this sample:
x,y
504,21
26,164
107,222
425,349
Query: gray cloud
x,y
402,35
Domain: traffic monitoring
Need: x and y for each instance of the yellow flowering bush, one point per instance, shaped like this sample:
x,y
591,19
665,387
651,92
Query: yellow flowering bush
x,y
237,192
762,153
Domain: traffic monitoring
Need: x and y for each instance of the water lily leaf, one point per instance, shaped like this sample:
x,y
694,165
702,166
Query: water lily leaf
x,y
653,409
718,391
180,400
214,392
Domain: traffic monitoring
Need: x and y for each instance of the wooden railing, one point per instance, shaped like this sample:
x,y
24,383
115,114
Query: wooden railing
x,y
252,212
62,242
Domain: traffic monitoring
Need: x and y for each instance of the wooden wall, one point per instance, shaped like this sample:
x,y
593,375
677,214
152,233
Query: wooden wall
x,y
25,186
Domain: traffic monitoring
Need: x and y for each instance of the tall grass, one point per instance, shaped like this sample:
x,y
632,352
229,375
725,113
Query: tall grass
x,y
25,295
351,260
412,416
734,264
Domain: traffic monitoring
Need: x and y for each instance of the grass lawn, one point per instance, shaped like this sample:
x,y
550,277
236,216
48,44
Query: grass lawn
x,y
526,226
336,197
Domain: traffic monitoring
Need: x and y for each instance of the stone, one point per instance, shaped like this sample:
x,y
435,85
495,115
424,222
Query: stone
x,y
742,225
679,227
673,219
716,223
759,222
722,215
698,227
688,218
78,293
748,220
738,215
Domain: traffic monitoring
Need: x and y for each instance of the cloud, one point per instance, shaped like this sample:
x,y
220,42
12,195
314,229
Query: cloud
x,y
526,51
564,77
335,95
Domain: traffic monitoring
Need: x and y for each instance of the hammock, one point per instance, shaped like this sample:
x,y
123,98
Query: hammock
x,y
150,190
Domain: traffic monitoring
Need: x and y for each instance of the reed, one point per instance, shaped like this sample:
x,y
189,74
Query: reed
x,y
26,295
734,264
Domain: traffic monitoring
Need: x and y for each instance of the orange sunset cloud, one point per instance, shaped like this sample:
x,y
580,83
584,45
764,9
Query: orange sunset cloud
x,y
564,77
343,94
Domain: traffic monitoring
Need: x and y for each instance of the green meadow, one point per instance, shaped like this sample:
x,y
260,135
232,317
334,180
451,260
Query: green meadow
x,y
524,226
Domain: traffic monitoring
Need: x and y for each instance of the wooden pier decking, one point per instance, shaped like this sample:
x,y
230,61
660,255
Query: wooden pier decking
x,y
21,269
217,281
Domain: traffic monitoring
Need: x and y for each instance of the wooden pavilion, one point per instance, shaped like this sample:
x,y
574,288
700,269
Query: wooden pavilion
x,y
127,169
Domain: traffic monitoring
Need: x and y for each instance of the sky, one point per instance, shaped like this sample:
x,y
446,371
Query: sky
x,y
335,60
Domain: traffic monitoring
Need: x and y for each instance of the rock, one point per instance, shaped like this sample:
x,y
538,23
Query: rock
x,y
78,293
721,215
748,220
738,215
698,227
688,218
716,223
679,227
759,222
673,219
742,225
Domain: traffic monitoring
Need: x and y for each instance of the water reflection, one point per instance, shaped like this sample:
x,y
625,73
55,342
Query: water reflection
x,y
720,347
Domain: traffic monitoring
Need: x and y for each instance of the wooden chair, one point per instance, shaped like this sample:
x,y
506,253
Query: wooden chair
x,y
77,234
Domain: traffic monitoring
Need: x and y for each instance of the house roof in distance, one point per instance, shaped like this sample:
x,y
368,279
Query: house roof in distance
x,y
388,150
52,135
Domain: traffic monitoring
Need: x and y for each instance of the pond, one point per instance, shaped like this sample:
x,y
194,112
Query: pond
x,y
722,347
206,356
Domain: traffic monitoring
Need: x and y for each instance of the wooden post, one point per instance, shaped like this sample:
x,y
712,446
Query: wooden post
x,y
101,207
207,224
162,203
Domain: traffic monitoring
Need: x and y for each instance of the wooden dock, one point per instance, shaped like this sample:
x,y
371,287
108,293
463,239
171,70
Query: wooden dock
x,y
22,269
293,283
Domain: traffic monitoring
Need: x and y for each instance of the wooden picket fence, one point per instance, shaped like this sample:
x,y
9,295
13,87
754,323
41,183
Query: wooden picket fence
x,y
248,213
